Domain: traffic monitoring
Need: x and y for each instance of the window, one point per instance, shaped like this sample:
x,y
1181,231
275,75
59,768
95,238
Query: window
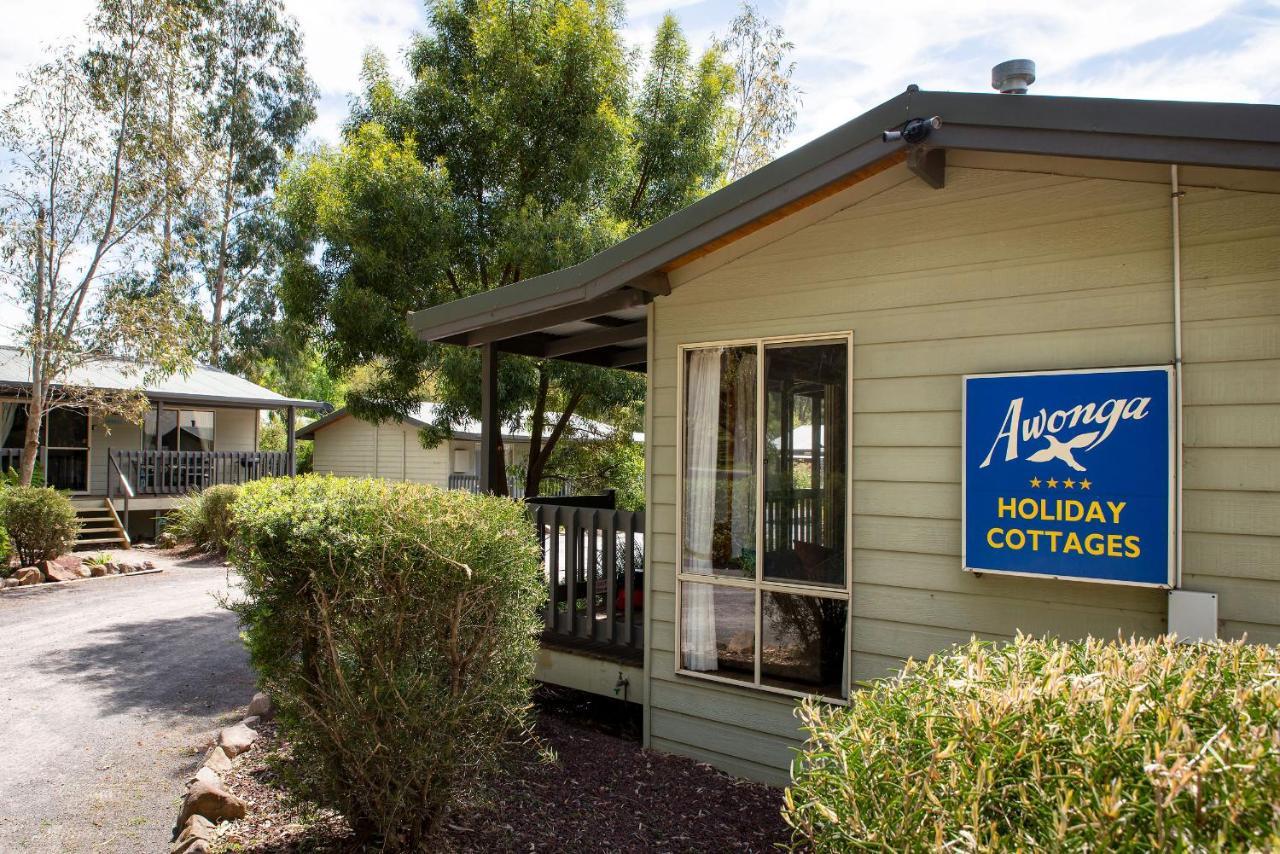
x,y
462,460
764,558
66,456
180,430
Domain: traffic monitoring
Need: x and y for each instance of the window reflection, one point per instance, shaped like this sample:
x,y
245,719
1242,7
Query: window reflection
x,y
718,630
802,642
806,429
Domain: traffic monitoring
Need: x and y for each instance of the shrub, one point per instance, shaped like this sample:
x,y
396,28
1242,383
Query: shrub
x,y
394,625
6,550
1087,746
204,519
41,522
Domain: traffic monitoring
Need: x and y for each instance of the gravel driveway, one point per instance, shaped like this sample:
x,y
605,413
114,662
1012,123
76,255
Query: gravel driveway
x,y
109,691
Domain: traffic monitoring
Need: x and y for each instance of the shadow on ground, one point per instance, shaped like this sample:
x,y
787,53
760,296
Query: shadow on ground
x,y
182,665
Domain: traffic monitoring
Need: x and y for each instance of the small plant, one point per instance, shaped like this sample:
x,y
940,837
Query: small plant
x,y
1041,744
101,559
205,519
41,522
394,626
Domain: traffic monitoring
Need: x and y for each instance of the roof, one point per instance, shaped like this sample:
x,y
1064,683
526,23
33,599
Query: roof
x,y
427,413
203,385
594,312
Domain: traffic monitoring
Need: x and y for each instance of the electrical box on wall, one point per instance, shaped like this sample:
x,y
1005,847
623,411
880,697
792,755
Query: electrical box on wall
x,y
1193,616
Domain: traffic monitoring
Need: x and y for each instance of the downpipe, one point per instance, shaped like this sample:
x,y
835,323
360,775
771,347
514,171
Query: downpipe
x,y
1175,200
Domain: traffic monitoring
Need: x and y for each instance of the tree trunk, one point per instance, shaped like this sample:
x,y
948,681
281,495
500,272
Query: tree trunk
x,y
220,277
35,408
539,464
532,477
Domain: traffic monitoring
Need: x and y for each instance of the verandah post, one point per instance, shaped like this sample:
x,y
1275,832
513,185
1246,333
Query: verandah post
x,y
492,471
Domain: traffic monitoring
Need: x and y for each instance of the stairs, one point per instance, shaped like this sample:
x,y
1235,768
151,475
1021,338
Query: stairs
x,y
99,525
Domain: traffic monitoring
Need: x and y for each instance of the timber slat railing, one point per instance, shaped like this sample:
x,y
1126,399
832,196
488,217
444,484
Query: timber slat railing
x,y
181,472
552,487
590,556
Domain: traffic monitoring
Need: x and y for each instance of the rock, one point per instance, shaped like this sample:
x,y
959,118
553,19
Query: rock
x,y
205,774
29,575
148,564
97,570
251,721
166,541
212,802
6,583
261,706
65,568
235,740
218,760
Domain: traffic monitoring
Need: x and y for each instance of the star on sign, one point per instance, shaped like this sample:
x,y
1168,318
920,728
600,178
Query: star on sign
x,y
1035,483
1068,483
1086,483
1052,484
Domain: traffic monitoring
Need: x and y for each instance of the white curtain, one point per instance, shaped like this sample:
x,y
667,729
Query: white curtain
x,y
702,411
8,412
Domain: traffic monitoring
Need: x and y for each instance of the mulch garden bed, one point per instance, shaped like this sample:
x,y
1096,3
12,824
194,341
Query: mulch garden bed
x,y
602,793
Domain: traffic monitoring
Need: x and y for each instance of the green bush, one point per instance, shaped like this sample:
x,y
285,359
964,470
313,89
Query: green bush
x,y
1087,746
41,522
394,626
6,550
204,519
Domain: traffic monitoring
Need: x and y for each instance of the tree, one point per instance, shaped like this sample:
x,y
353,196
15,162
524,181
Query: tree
x,y
90,172
521,146
765,100
258,100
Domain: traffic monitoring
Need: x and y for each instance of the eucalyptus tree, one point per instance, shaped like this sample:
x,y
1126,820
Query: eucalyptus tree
x,y
256,101
765,99
94,159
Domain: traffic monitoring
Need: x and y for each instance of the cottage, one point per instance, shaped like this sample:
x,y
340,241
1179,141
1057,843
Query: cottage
x,y
832,345
201,430
351,447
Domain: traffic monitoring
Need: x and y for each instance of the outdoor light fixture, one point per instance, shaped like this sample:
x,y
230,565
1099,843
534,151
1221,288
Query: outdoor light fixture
x,y
914,132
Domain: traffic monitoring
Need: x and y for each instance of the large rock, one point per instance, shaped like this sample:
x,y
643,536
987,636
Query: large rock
x,y
218,760
194,837
212,802
64,569
208,776
235,740
11,581
260,706
97,570
29,575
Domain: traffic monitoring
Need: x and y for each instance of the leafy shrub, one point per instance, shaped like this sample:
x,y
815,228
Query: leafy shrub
x,y
41,522
394,625
1087,746
204,519
6,550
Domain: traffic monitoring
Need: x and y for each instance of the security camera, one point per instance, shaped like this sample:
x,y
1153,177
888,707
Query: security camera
x,y
914,132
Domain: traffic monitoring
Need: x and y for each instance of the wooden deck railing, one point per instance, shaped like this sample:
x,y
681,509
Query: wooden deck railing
x,y
554,487
791,516
180,472
594,563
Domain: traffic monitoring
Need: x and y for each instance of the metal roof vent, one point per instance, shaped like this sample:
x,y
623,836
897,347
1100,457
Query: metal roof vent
x,y
1013,76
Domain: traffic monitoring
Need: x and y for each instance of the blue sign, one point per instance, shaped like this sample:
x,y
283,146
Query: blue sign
x,y
1069,474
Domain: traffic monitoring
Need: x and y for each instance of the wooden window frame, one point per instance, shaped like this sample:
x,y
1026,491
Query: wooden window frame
x,y
758,584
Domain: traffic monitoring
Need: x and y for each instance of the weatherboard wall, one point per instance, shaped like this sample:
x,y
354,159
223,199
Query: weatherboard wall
x,y
1018,264
353,448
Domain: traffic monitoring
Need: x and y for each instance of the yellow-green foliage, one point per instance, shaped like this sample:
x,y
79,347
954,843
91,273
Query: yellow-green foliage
x,y
204,519
394,625
1041,744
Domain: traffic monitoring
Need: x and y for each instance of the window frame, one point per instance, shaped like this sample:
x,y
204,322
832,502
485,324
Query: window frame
x,y
759,585
142,429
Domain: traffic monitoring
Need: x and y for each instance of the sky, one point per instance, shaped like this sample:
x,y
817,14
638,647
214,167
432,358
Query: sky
x,y
850,54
